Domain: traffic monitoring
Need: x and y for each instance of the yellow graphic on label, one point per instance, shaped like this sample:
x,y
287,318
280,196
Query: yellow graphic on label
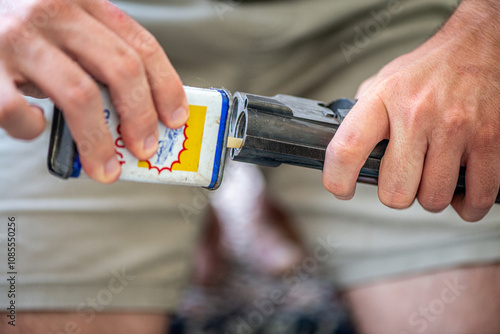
x,y
179,149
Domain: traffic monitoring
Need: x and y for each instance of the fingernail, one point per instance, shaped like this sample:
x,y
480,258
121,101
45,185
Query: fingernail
x,y
112,168
180,115
151,143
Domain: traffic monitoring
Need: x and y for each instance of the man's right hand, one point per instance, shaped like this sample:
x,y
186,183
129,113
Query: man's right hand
x,y
58,47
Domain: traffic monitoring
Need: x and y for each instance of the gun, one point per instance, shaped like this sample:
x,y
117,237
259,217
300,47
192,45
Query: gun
x,y
267,131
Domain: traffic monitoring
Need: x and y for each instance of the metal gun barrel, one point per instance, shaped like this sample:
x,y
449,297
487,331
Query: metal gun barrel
x,y
296,131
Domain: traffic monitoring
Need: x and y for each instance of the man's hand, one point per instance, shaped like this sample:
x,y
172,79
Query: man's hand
x,y
58,47
439,106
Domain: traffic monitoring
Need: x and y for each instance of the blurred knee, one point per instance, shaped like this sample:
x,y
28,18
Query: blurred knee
x,y
74,323
461,300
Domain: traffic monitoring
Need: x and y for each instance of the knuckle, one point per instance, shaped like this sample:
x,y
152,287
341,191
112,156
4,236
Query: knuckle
x,y
146,44
32,9
58,8
395,199
366,85
10,27
39,11
454,124
488,135
81,93
335,187
470,216
343,150
11,24
139,124
129,65
331,182
481,203
37,14
433,204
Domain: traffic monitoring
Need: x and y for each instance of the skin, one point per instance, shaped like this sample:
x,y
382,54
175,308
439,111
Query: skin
x,y
438,106
457,301
44,50
74,323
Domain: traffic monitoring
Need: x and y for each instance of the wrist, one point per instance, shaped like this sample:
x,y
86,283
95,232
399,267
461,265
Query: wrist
x,y
469,41
475,23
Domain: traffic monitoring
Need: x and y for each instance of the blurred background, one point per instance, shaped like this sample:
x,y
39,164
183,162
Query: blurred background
x,y
251,274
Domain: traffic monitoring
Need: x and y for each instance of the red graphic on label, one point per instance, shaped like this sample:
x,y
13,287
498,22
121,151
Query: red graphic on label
x,y
171,144
119,144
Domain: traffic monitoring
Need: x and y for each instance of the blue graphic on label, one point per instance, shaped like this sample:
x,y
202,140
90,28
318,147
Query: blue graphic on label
x,y
170,145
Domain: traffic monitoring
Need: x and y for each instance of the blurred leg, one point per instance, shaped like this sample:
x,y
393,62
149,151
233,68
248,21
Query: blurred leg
x,y
254,227
462,300
72,323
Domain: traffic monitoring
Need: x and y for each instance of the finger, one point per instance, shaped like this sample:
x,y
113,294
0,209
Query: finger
x,y
110,60
165,83
19,119
440,174
78,95
401,167
23,122
482,182
363,128
365,86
